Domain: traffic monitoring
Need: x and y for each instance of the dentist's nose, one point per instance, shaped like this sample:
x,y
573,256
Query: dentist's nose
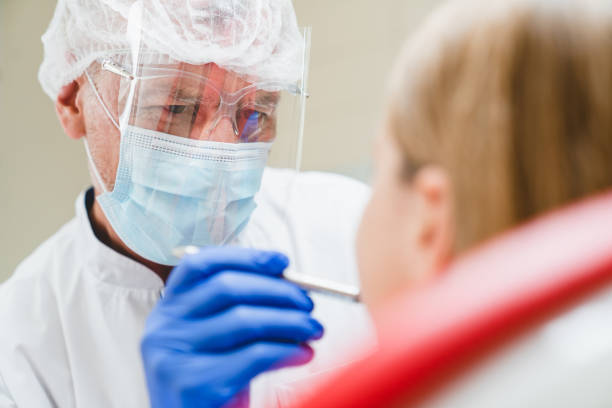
x,y
225,131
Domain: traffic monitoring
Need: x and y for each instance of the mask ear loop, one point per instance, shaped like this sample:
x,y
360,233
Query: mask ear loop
x,y
99,98
87,150
93,167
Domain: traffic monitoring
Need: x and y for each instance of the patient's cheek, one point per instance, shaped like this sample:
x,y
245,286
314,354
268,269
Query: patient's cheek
x,y
386,242
376,243
366,253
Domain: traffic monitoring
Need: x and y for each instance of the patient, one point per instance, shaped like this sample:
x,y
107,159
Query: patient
x,y
498,111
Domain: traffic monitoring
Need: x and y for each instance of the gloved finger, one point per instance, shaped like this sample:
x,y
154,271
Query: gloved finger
x,y
211,260
231,288
236,327
248,324
224,376
240,400
257,358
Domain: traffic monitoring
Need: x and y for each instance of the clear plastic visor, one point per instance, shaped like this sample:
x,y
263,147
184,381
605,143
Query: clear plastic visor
x,y
205,102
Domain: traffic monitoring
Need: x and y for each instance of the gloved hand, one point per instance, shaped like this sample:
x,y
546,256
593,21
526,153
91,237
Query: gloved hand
x,y
226,317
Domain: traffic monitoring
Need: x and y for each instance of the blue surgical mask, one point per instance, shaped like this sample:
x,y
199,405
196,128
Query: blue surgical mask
x,y
171,191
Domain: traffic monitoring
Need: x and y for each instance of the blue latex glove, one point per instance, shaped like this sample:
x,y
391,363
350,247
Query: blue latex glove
x,y
226,317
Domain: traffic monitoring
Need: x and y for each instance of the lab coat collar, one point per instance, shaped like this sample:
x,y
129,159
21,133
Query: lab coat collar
x,y
104,263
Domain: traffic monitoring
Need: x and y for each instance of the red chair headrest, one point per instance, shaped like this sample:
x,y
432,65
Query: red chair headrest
x,y
487,296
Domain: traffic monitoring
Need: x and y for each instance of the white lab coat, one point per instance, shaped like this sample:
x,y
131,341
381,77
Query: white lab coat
x,y
73,313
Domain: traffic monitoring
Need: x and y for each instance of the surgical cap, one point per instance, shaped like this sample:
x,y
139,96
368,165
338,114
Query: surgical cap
x,y
258,38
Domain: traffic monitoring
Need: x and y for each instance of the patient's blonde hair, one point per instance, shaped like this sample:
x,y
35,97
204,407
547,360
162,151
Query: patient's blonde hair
x,y
515,103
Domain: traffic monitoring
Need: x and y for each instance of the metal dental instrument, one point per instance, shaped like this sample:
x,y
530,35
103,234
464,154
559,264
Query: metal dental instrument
x,y
308,283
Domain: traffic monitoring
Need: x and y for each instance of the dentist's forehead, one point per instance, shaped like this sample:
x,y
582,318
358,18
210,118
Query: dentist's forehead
x,y
189,82
214,75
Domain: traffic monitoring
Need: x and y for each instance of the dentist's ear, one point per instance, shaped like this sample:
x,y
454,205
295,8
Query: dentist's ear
x,y
69,110
437,225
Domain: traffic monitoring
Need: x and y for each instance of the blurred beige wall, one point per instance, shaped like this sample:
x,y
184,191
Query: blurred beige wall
x,y
42,171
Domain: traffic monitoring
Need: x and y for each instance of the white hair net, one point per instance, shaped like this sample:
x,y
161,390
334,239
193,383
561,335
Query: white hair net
x,y
259,38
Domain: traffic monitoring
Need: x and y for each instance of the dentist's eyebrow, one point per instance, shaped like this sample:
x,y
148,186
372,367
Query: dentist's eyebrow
x,y
267,98
174,93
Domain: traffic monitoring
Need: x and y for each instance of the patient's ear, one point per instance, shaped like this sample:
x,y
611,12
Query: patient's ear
x,y
70,110
437,224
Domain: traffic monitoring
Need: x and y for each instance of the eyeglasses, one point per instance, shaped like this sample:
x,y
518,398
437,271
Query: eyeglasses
x,y
201,102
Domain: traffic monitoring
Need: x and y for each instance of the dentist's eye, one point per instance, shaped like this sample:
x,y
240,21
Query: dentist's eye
x,y
176,109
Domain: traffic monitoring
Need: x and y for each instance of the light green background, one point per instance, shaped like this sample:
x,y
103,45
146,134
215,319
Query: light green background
x,y
42,171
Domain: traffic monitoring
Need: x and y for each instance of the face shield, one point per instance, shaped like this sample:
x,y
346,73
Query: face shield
x,y
195,139
209,103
